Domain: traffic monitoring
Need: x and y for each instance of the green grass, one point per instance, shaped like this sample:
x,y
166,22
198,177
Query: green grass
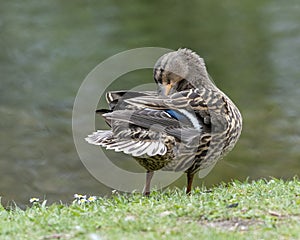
x,y
250,210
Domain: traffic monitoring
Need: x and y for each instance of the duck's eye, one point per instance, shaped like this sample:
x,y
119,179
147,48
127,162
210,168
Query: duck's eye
x,y
158,75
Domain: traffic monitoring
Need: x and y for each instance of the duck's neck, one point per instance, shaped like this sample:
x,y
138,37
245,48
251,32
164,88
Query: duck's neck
x,y
199,78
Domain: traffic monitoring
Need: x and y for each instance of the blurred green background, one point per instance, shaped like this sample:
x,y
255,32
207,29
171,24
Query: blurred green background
x,y
251,49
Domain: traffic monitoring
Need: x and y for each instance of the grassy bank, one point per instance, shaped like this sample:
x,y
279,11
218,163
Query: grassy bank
x,y
250,210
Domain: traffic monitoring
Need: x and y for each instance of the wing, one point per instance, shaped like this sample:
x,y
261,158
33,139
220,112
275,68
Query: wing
x,y
115,100
171,122
190,103
190,99
205,106
139,119
146,118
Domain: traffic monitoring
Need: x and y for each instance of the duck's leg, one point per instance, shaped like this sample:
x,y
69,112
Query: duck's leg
x,y
149,176
190,177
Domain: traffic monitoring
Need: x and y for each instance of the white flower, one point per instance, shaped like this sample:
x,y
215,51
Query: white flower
x,y
34,200
79,196
92,199
114,191
80,201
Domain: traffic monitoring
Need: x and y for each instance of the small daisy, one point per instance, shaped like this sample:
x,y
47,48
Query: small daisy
x,y
34,200
79,196
92,198
82,201
114,191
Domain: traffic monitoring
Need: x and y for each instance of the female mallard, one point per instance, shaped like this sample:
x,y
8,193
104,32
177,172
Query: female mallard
x,y
188,124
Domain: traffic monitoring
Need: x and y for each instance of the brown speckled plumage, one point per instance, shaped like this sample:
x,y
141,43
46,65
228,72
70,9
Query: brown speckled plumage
x,y
188,124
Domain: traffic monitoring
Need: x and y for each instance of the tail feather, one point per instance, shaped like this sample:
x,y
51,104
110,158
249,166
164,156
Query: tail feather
x,y
128,146
99,137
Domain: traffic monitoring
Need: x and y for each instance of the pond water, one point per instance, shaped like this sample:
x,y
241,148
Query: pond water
x,y
251,49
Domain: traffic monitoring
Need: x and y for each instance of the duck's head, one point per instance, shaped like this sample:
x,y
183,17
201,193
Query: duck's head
x,y
180,70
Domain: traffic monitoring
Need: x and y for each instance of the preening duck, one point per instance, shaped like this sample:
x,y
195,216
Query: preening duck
x,y
188,124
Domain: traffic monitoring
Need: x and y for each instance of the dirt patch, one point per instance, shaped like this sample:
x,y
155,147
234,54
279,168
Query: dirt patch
x,y
235,224
238,224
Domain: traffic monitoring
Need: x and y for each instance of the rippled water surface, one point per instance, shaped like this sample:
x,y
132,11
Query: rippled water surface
x,y
251,50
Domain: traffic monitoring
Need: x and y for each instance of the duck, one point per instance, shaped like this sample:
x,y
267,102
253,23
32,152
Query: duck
x,y
188,124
